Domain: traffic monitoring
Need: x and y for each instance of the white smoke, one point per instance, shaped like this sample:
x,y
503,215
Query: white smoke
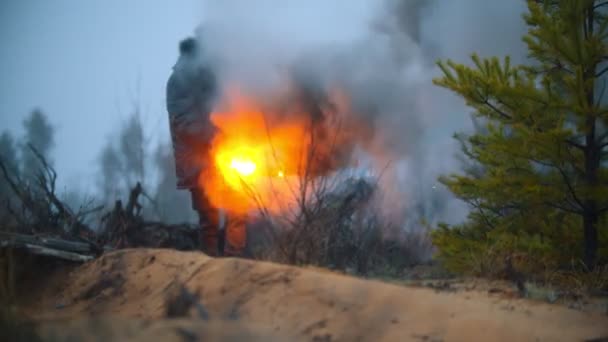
x,y
383,53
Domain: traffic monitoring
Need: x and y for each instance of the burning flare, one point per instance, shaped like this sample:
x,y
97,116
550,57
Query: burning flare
x,y
244,167
259,154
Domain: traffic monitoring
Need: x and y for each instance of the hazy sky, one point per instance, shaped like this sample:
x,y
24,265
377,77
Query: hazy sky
x,y
82,62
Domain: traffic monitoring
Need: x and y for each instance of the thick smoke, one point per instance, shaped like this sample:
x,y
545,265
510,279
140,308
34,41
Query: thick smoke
x,y
382,53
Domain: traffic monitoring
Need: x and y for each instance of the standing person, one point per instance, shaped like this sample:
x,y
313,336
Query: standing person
x,y
192,91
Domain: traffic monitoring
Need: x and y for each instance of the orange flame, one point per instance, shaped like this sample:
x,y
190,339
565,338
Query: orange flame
x,y
253,159
260,151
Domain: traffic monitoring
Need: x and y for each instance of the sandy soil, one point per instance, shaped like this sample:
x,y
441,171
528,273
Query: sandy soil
x,y
122,296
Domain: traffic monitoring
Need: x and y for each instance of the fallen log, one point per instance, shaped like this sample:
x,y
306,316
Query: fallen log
x,y
49,242
44,251
46,246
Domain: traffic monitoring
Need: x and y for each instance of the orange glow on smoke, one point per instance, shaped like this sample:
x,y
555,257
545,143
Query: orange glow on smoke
x,y
262,149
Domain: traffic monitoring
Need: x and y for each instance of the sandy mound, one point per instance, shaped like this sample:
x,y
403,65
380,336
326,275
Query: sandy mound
x,y
248,298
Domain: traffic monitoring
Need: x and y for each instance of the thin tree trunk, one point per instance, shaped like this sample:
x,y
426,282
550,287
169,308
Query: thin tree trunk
x,y
590,210
592,163
590,219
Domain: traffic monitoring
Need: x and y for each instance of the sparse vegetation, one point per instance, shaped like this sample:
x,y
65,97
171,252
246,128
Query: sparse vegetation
x,y
334,220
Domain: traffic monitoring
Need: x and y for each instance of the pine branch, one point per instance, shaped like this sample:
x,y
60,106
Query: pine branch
x,y
600,97
601,4
563,208
575,144
498,111
599,74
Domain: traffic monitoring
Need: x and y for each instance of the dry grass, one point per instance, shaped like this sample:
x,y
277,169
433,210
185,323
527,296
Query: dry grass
x,y
582,282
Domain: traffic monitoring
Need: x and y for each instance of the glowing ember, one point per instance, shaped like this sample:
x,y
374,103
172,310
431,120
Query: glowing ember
x,y
238,162
242,166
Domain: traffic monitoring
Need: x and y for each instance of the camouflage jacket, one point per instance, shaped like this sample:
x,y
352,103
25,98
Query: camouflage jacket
x,y
191,90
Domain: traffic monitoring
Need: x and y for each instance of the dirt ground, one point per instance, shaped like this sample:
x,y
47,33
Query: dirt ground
x,y
123,296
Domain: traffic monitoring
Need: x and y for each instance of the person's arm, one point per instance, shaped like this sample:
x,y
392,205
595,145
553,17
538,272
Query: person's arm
x,y
179,100
208,88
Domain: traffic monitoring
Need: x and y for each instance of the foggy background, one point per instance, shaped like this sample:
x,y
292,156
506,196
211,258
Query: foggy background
x,y
87,64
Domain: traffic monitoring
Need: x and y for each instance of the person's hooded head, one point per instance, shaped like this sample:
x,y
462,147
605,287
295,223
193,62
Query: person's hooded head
x,y
189,57
188,47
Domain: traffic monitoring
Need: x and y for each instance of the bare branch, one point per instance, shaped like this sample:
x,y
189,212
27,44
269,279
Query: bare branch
x,y
46,180
83,213
569,186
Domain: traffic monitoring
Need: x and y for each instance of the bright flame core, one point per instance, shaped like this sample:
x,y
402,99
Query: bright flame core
x,y
247,154
243,166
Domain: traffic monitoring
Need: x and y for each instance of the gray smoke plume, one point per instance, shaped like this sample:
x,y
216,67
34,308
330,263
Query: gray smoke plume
x,y
383,54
